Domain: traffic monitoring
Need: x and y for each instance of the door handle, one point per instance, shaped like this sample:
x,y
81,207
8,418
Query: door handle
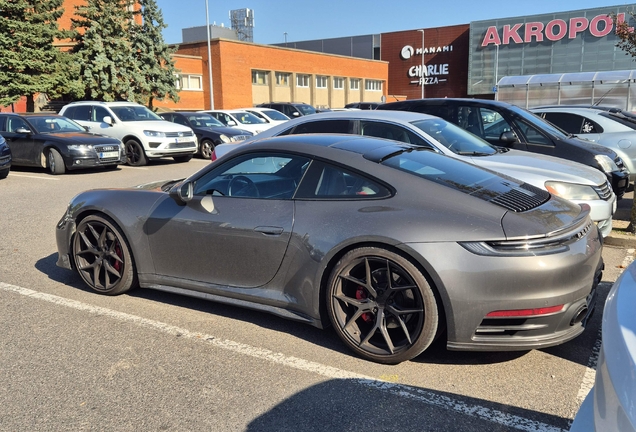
x,y
269,230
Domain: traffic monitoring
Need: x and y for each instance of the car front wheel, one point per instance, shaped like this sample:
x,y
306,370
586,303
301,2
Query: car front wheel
x,y
381,305
206,147
102,256
135,153
55,162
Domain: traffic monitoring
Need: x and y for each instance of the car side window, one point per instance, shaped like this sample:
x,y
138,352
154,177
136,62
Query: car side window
x,y
532,134
327,181
262,176
496,126
386,131
180,120
3,123
15,123
324,126
80,112
469,119
99,113
571,123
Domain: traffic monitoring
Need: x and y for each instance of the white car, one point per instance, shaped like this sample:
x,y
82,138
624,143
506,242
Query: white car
x,y
270,115
566,179
611,404
608,127
145,135
240,119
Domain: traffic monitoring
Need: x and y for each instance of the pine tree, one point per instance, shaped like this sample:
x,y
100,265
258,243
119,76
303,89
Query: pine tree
x,y
28,59
153,57
104,50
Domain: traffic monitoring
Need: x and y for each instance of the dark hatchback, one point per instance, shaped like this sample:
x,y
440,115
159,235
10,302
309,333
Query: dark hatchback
x,y
507,125
209,130
5,158
57,143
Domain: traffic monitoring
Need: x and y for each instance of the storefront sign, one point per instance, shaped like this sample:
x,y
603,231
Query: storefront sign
x,y
408,51
429,74
557,29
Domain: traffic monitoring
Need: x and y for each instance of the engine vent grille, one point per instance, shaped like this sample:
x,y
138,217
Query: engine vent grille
x,y
522,198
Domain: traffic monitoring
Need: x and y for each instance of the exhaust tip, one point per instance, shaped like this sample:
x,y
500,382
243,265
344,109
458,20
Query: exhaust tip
x,y
579,316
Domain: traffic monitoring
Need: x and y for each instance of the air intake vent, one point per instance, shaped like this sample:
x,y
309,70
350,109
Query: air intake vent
x,y
522,198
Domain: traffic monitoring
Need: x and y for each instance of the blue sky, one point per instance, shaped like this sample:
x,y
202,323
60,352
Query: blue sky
x,y
307,20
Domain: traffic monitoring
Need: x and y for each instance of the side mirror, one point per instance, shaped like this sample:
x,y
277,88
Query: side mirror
x,y
296,114
23,130
182,193
508,137
231,123
108,120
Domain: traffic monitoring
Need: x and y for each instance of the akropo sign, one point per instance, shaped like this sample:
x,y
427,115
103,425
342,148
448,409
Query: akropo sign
x,y
557,29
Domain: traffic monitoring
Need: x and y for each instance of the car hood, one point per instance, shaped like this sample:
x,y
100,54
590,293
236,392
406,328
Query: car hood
x,y
229,131
159,126
590,146
158,186
536,169
83,138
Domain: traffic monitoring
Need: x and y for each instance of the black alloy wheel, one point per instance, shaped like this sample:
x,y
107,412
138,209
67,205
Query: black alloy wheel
x,y
381,305
102,256
206,147
135,153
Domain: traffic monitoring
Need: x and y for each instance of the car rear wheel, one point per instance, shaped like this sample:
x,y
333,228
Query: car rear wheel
x,y
135,153
206,147
182,158
381,305
4,174
55,162
102,256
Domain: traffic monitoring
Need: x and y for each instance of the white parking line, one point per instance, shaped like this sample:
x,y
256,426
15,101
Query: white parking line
x,y
12,174
408,392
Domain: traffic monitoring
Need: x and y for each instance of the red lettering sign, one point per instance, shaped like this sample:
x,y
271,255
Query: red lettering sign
x,y
534,29
549,30
607,25
577,25
511,33
492,37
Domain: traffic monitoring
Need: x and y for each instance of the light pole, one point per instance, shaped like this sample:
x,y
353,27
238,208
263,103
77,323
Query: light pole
x,y
423,74
496,71
285,33
207,25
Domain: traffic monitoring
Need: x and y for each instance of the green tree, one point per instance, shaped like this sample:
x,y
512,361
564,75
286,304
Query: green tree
x,y
29,62
153,57
627,42
104,50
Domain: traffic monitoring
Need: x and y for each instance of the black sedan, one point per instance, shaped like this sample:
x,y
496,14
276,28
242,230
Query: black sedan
x,y
57,143
392,244
209,131
5,158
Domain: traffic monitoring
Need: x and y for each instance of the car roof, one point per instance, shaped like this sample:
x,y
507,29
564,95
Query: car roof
x,y
403,116
119,103
38,114
442,101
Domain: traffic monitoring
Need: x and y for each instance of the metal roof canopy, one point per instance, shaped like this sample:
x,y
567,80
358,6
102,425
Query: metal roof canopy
x,y
568,78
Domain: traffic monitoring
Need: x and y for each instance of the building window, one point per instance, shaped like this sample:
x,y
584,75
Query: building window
x,y
259,77
189,82
282,79
321,81
302,80
373,85
354,84
338,83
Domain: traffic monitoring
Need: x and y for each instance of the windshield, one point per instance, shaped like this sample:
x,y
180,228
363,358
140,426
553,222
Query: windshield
x,y
130,113
54,124
275,115
540,123
455,138
306,109
204,120
247,118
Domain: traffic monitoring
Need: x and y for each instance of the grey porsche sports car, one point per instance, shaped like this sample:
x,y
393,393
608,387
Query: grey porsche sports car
x,y
392,244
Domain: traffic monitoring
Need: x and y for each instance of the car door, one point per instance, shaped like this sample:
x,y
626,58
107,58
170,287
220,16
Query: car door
x,y
23,145
235,230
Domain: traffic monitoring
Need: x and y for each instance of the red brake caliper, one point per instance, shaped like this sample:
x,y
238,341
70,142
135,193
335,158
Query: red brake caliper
x,y
361,294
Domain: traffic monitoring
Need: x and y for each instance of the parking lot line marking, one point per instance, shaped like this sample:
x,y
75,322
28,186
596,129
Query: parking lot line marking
x,y
12,174
400,390
590,371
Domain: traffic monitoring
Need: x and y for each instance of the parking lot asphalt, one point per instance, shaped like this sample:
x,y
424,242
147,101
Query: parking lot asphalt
x,y
71,359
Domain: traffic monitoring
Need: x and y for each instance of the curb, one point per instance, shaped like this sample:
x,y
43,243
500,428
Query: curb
x,y
620,240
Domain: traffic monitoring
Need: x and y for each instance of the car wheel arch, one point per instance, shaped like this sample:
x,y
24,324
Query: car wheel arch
x,y
423,266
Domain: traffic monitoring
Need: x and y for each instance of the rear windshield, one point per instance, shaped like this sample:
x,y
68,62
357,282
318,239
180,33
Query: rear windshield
x,y
626,119
306,109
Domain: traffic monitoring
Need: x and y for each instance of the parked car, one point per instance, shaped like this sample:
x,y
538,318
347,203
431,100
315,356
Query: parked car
x,y
56,143
208,130
363,105
611,128
576,182
609,406
290,109
240,119
423,242
145,135
5,158
517,128
269,115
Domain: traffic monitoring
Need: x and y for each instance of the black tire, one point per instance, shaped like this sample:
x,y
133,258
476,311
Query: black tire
x,y
54,162
383,320
4,174
135,153
111,167
206,147
182,158
102,256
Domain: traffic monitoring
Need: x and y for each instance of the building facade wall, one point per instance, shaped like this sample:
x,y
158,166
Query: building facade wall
x,y
445,52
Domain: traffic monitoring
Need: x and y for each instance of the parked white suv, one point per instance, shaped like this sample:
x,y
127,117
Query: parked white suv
x,y
145,135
